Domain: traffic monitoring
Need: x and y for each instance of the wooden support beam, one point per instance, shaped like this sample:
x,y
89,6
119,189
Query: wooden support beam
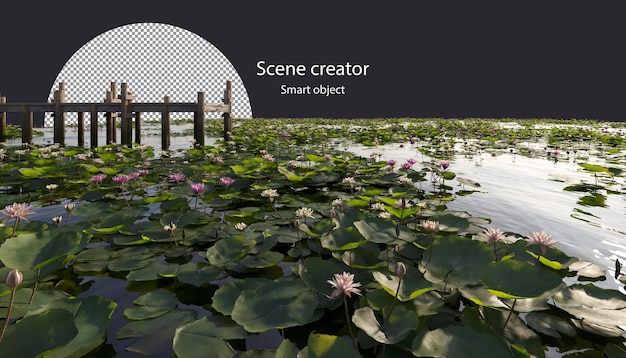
x,y
198,121
59,116
138,127
27,125
81,129
93,125
165,124
228,99
126,119
3,121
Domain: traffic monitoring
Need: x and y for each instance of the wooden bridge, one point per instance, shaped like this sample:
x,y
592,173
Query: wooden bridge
x,y
115,106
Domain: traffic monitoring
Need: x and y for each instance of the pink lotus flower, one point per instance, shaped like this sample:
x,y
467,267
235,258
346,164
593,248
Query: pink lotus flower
x,y
227,181
344,283
17,211
431,226
177,177
143,172
197,188
493,235
121,179
98,178
542,239
444,164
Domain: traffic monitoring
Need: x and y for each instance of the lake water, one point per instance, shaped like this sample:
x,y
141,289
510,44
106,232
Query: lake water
x,y
519,194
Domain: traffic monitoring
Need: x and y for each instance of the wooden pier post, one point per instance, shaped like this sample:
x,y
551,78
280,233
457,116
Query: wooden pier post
x,y
198,121
138,127
126,115
111,130
59,115
3,122
27,125
93,125
228,100
165,124
81,129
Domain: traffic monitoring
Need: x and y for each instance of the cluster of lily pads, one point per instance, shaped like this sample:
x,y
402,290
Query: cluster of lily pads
x,y
282,232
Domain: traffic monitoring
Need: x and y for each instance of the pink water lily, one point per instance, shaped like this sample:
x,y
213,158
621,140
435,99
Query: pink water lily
x,y
177,177
227,181
344,283
197,188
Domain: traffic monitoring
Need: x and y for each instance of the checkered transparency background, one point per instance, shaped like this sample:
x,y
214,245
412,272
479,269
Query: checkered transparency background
x,y
156,60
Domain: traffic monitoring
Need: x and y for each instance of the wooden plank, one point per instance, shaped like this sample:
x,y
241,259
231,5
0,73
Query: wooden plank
x,y
198,121
165,124
59,116
27,125
228,125
138,127
126,121
113,107
3,121
81,129
93,132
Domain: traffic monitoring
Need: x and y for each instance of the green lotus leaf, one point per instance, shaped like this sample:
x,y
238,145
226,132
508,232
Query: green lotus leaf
x,y
516,279
32,172
276,304
457,261
481,296
382,231
594,168
226,250
148,273
141,313
550,325
329,346
225,297
451,222
366,256
402,213
91,316
92,209
587,269
395,328
193,338
315,272
598,310
52,328
285,350
198,274
342,239
36,249
243,212
263,260
145,327
410,287
174,204
192,217
22,297
457,341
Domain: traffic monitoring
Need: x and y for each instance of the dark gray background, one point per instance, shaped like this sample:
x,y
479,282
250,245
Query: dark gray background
x,y
552,59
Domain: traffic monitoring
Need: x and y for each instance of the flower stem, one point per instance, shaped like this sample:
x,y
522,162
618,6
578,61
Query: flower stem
x,y
6,321
345,305
395,298
32,295
510,313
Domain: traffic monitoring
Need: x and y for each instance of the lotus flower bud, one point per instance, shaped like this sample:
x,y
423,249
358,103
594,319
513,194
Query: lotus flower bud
x,y
400,269
332,214
297,224
14,278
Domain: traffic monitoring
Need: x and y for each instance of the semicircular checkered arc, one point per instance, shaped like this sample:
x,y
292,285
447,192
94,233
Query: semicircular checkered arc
x,y
156,60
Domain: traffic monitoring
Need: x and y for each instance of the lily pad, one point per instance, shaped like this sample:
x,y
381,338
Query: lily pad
x,y
410,287
517,279
193,338
395,327
459,341
276,304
